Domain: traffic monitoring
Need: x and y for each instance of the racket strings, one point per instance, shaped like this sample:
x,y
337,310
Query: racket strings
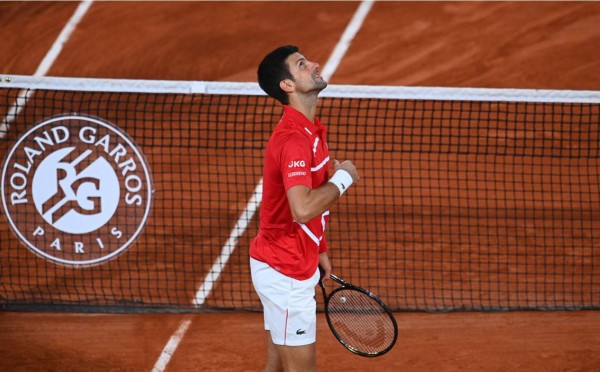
x,y
360,321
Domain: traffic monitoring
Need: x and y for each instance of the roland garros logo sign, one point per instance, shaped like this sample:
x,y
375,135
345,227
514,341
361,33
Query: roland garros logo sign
x,y
76,190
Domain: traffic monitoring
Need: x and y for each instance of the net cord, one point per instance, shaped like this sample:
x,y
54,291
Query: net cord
x,y
333,90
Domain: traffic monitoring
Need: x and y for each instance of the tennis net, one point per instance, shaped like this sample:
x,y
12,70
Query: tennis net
x,y
141,195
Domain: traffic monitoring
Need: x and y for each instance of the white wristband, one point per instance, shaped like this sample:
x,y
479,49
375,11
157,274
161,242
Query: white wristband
x,y
342,180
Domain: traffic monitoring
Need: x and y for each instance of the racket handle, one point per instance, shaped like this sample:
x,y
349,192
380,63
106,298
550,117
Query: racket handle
x,y
321,274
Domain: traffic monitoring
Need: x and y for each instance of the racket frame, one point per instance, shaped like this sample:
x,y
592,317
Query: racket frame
x,y
345,285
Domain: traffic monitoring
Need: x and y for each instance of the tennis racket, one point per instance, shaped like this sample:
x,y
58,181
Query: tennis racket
x,y
359,319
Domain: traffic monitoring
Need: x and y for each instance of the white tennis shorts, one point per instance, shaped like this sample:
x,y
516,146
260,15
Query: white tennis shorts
x,y
290,309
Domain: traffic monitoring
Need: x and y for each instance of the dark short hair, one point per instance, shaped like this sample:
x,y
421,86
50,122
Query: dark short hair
x,y
273,69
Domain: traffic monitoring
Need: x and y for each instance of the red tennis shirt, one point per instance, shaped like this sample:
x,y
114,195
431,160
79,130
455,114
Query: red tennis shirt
x,y
296,154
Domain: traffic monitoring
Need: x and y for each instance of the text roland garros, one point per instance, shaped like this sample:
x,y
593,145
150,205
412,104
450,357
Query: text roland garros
x,y
76,190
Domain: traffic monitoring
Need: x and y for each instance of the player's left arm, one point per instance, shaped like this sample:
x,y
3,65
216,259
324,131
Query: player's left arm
x,y
306,203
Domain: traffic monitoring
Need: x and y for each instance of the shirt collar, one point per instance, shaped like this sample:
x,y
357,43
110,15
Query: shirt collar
x,y
299,118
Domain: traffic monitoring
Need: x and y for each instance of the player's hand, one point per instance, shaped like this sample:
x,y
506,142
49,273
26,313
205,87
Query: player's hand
x,y
324,267
348,167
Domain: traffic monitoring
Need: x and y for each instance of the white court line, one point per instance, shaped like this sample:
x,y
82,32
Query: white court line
x,y
45,65
256,198
239,229
171,346
342,46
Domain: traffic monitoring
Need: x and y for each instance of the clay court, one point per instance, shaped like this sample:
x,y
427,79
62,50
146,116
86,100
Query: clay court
x,y
516,45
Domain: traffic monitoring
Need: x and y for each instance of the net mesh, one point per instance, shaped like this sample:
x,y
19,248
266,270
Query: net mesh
x,y
463,204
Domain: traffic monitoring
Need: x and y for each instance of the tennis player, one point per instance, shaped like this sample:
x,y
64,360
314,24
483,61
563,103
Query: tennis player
x,y
297,194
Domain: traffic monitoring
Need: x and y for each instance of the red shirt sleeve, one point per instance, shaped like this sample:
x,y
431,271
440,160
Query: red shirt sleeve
x,y
323,246
295,161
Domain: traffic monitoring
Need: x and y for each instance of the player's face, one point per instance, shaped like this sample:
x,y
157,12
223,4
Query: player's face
x,y
307,74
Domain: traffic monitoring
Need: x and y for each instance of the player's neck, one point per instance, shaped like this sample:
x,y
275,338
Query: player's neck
x,y
307,105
